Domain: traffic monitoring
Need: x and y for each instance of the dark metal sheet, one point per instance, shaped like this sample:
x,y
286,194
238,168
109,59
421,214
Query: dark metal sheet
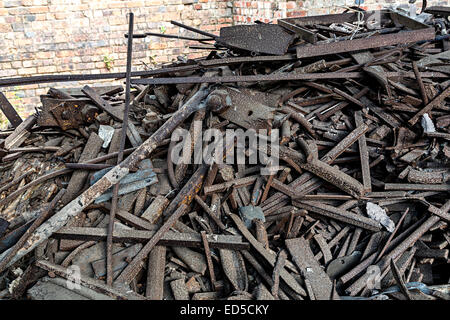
x,y
3,226
247,111
258,38
9,111
419,32
53,109
439,10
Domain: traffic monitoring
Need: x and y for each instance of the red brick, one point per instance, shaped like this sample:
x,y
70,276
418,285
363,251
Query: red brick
x,y
38,9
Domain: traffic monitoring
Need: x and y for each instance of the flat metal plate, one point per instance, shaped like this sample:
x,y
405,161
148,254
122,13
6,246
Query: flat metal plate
x,y
47,118
246,109
258,38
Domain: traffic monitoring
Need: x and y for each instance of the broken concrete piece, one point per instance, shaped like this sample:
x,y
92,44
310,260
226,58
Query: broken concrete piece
x,y
106,133
378,214
427,123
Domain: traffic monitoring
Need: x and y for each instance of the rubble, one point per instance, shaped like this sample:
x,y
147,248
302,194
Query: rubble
x,y
95,205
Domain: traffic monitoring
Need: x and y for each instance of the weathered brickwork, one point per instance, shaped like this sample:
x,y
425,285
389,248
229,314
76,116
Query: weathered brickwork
x,y
86,36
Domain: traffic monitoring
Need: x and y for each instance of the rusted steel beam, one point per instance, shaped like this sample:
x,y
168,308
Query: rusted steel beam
x,y
335,152
336,177
78,179
423,93
23,81
388,242
231,79
303,33
87,166
20,134
320,49
239,60
210,213
341,105
399,279
416,187
329,173
257,266
416,176
204,33
324,248
180,239
131,131
339,214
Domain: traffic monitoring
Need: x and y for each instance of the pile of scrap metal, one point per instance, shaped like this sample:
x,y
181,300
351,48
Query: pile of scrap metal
x,y
93,205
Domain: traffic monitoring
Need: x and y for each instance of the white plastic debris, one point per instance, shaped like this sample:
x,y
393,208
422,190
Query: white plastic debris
x,y
378,214
427,123
106,133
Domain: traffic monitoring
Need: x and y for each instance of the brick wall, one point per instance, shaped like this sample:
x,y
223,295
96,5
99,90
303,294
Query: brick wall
x,y
77,36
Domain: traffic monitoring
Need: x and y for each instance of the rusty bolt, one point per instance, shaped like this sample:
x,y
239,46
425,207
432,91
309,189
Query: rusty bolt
x,y
218,101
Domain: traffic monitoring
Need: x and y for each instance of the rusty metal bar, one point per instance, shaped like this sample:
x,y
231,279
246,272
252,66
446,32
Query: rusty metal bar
x,y
123,135
9,111
364,155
